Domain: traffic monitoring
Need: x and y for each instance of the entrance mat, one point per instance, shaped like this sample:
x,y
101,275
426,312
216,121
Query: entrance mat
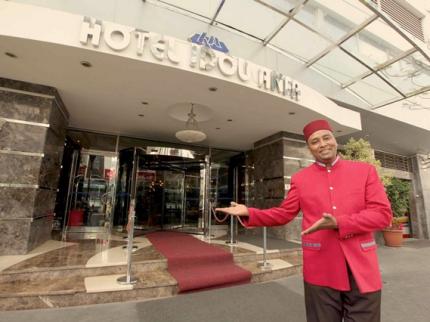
x,y
195,264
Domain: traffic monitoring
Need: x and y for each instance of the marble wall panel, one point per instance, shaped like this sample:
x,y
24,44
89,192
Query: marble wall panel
x,y
23,235
19,169
22,137
44,203
24,107
28,87
296,150
50,170
291,166
14,236
57,120
17,202
269,169
54,143
40,231
272,189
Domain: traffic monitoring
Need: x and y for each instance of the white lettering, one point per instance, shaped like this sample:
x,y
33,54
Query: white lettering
x,y
171,55
244,70
264,78
158,48
90,30
194,55
117,37
207,58
277,82
141,36
227,65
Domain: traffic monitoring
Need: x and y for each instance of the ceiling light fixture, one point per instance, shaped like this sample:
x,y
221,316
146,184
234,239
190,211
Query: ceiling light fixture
x,y
86,64
191,133
11,55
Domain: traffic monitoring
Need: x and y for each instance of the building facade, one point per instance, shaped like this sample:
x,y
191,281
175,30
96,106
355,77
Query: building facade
x,y
183,105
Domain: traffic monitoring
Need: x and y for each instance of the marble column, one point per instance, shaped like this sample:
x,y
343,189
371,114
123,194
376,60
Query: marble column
x,y
420,215
33,121
275,159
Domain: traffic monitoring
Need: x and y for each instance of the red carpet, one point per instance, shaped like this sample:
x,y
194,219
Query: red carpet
x,y
196,264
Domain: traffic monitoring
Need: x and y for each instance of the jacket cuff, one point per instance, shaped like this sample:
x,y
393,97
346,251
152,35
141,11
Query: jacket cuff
x,y
344,227
250,221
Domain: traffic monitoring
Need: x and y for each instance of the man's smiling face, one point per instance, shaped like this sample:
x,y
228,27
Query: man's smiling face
x,y
323,146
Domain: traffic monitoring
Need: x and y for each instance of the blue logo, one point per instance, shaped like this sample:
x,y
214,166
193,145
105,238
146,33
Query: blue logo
x,y
210,41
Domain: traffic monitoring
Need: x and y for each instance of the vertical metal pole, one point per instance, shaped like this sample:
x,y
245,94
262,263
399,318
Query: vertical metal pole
x,y
264,245
210,221
206,210
233,220
265,264
128,279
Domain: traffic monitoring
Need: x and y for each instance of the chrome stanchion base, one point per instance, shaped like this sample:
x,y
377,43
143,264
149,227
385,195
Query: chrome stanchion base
x,y
123,280
264,265
133,249
231,243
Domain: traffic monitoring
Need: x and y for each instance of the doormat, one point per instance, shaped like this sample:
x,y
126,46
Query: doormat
x,y
197,265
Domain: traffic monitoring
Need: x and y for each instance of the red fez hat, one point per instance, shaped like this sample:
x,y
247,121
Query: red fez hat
x,y
314,126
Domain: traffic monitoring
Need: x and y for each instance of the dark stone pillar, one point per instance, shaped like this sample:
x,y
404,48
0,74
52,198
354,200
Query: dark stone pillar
x,y
275,160
33,120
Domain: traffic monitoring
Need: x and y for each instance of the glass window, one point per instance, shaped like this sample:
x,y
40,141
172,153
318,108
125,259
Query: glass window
x,y
408,74
340,66
333,23
250,17
374,90
284,6
299,41
376,44
206,8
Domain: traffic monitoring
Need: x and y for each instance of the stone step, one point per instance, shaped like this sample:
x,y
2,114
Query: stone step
x,y
64,290
138,265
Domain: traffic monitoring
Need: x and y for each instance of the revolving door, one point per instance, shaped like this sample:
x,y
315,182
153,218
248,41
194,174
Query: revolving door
x,y
165,186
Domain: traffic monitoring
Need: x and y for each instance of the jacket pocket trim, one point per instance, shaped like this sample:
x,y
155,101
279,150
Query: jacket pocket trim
x,y
311,245
368,245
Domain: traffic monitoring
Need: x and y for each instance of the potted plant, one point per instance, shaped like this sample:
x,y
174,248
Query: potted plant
x,y
398,194
393,235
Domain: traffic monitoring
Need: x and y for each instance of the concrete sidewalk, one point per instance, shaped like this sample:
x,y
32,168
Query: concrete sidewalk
x,y
405,271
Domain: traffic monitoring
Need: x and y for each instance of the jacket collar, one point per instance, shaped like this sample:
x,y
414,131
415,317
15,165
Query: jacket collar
x,y
323,165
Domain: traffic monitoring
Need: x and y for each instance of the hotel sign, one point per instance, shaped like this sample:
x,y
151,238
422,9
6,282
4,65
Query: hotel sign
x,y
202,57
209,41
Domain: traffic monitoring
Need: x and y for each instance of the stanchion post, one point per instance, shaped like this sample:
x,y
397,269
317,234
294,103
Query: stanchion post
x,y
265,264
233,240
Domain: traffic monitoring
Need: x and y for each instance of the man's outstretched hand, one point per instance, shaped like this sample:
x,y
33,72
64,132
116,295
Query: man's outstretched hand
x,y
235,209
326,222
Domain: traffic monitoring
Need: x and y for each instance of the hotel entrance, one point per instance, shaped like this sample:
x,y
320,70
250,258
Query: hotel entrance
x,y
167,187
170,188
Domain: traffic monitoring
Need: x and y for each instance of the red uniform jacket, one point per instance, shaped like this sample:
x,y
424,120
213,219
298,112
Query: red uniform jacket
x,y
352,192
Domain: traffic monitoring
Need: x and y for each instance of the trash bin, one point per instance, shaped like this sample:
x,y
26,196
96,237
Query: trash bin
x,y
76,217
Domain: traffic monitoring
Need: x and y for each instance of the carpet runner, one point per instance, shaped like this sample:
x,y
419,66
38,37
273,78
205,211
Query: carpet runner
x,y
195,264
